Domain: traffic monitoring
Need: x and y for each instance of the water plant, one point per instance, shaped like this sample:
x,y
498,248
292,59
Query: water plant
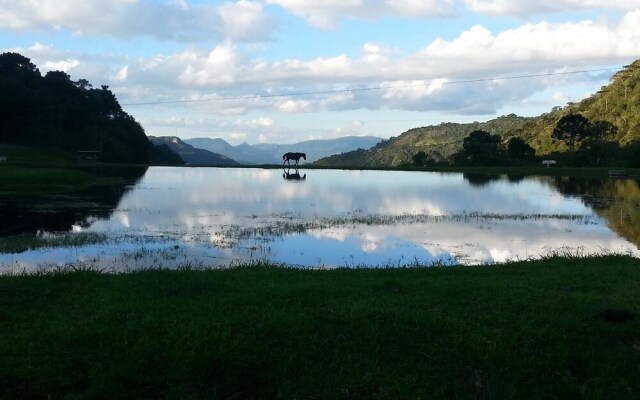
x,y
46,240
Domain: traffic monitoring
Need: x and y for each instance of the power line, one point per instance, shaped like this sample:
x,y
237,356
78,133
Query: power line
x,y
311,93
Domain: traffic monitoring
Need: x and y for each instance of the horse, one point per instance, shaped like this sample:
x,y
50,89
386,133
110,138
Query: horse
x,y
293,156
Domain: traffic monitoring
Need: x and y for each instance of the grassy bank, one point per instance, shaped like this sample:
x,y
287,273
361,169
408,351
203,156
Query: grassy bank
x,y
547,329
43,180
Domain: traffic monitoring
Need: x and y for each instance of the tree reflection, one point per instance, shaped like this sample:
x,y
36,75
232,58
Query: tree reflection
x,y
616,200
479,180
58,213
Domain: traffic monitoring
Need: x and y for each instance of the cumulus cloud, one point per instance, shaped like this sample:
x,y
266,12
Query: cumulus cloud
x,y
179,21
239,137
223,80
525,9
325,14
534,46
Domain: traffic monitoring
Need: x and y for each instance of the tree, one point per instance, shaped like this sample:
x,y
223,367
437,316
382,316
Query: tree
x,y
519,150
598,146
480,148
570,129
422,159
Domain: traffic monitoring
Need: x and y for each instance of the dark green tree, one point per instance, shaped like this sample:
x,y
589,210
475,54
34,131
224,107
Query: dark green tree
x,y
599,146
519,150
571,128
480,148
422,159
55,112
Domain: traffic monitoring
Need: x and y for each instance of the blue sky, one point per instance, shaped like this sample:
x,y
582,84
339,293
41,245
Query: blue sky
x,y
282,71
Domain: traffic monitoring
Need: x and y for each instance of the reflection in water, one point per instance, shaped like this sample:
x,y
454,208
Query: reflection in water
x,y
293,176
616,200
20,215
218,217
479,180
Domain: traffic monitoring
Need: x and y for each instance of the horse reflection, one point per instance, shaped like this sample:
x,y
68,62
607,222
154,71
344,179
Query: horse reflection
x,y
293,176
287,157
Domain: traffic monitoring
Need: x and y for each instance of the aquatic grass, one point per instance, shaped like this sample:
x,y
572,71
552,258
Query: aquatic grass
x,y
47,240
276,225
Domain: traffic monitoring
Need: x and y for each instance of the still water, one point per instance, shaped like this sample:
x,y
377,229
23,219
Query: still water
x,y
202,217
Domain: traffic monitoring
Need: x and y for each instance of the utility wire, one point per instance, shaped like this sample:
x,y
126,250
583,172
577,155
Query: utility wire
x,y
266,96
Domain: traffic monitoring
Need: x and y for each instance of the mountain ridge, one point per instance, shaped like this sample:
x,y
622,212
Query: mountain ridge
x,y
270,153
192,155
617,103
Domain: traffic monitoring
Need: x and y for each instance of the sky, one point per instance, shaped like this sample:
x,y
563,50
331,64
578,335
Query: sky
x,y
284,71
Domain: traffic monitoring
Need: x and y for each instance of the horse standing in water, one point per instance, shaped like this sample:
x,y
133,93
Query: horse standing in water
x,y
293,156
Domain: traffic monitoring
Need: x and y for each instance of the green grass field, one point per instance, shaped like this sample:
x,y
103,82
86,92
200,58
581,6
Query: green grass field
x,y
556,328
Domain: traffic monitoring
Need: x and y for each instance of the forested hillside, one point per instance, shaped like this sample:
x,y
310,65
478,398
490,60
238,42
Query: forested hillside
x,y
52,111
617,103
439,143
603,129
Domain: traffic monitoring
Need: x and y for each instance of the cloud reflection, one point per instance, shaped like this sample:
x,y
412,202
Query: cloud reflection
x,y
340,218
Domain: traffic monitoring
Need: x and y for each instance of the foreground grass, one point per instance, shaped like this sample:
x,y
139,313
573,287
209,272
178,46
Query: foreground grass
x,y
522,330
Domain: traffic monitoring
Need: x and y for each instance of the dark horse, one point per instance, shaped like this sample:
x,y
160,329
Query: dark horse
x,y
293,156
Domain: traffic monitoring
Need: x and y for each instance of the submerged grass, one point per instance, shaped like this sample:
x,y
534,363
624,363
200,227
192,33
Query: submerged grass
x,y
20,243
554,328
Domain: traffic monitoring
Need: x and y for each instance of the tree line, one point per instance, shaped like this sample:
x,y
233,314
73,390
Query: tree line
x,y
53,111
589,143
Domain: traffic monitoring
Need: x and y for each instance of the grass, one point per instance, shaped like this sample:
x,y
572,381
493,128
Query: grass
x,y
535,330
43,180
20,243
33,171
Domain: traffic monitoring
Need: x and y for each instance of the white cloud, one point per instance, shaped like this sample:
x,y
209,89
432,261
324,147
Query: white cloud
x,y
295,106
532,8
324,14
263,121
176,20
64,65
239,137
223,80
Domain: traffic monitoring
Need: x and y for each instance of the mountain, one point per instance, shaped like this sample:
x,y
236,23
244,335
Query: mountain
x,y
617,103
440,142
613,113
190,154
55,112
272,153
243,153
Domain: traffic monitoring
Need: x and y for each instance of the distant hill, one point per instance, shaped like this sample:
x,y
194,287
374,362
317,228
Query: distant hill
x,y
617,103
55,112
438,141
190,154
272,153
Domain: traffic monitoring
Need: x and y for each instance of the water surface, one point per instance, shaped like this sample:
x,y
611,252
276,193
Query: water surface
x,y
176,217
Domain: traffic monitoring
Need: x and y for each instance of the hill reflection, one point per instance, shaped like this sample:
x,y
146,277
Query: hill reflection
x,y
28,215
217,217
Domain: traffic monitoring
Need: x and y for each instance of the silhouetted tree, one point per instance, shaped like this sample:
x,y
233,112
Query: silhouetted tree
x,y
480,148
519,150
54,111
571,128
422,159
598,145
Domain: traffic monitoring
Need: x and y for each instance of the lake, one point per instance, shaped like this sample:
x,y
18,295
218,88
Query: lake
x,y
218,217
